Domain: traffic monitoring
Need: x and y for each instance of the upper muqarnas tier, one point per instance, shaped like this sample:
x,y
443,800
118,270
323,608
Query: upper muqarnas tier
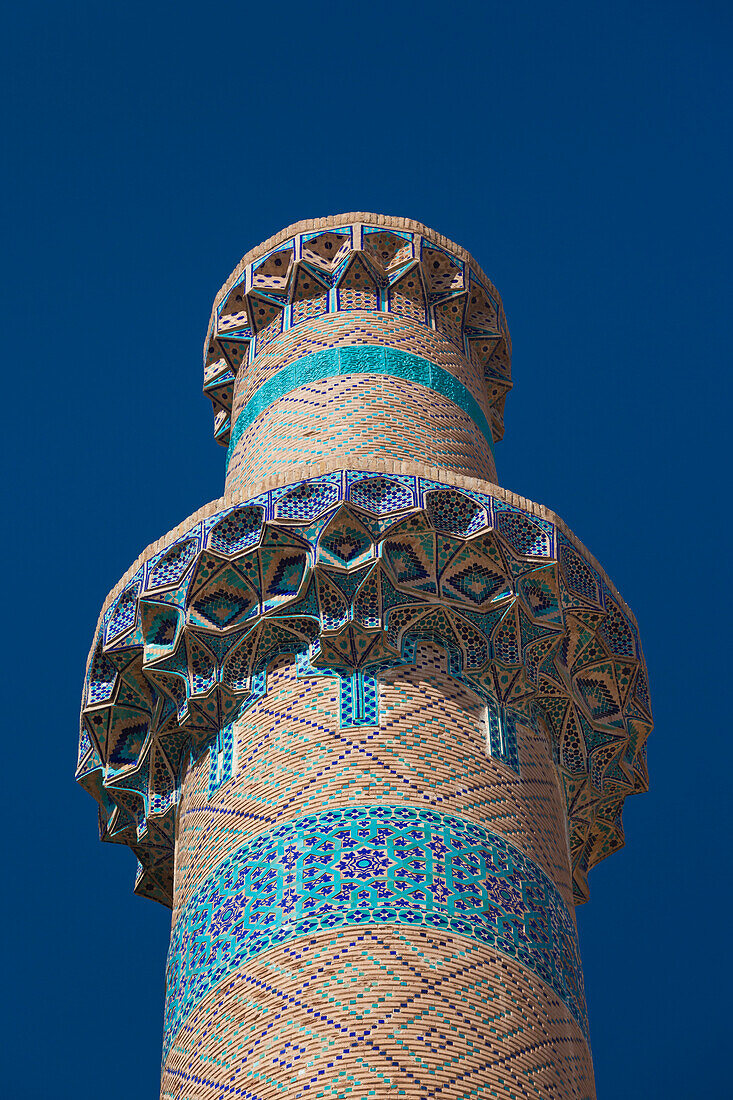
x,y
357,263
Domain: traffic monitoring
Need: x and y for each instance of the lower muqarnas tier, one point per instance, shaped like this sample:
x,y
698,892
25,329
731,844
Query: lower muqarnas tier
x,y
348,571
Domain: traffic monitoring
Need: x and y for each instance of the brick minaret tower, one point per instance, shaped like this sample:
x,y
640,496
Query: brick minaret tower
x,y
367,720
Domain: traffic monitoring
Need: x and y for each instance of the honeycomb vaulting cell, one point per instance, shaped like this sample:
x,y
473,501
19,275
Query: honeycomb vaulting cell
x,y
368,720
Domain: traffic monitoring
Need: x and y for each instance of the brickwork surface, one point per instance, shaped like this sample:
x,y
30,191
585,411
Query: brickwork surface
x,y
354,417
388,1009
381,1013
428,750
355,329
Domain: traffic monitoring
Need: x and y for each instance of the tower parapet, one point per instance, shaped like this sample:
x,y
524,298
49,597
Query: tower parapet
x,y
396,324
367,707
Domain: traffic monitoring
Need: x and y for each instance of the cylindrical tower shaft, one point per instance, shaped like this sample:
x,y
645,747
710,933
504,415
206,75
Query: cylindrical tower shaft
x,y
368,720
361,401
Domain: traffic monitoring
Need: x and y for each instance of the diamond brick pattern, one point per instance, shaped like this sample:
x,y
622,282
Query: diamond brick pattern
x,y
430,748
380,1013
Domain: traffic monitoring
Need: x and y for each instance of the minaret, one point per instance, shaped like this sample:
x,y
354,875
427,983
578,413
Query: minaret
x,y
367,720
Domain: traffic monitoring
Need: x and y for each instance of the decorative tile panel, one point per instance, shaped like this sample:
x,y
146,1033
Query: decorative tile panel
x,y
221,753
371,865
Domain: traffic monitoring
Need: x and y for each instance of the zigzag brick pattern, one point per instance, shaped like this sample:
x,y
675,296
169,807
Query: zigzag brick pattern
x,y
367,721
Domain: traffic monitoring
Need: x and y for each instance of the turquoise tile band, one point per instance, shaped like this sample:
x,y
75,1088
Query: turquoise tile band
x,y
359,360
370,866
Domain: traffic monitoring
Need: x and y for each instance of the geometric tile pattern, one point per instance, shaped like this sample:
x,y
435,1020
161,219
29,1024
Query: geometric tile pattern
x,y
359,267
371,865
350,569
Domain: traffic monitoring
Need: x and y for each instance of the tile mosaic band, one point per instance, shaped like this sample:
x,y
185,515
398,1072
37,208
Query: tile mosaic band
x,y
359,360
371,865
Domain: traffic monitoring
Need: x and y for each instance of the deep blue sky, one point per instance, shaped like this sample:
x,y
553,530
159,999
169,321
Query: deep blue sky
x,y
581,152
